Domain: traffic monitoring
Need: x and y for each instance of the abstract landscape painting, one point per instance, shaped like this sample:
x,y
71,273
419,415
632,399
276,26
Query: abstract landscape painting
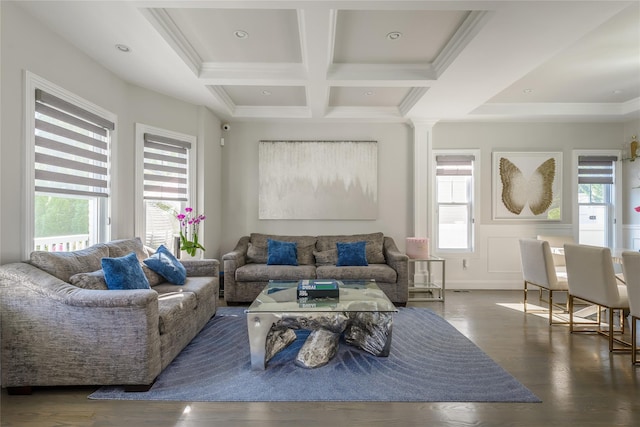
x,y
334,180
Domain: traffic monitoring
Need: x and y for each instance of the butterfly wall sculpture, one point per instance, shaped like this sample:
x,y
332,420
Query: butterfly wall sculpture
x,y
518,189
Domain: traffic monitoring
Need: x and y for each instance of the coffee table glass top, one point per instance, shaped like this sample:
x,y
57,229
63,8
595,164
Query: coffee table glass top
x,y
355,296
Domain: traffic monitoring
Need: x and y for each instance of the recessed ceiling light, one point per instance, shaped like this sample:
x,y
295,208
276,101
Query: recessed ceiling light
x,y
527,90
241,34
616,92
266,92
123,48
369,93
394,35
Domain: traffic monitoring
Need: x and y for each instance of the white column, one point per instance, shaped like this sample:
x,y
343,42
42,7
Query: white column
x,y
422,146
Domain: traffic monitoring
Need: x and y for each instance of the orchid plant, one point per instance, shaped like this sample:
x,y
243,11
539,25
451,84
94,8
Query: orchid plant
x,y
189,224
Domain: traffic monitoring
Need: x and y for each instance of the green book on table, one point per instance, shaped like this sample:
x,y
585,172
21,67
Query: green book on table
x,y
316,288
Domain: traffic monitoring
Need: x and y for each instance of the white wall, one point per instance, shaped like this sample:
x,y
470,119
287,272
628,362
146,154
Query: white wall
x,y
631,177
496,263
27,45
240,190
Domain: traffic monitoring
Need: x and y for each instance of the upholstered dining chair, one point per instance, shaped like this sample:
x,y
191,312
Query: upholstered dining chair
x,y
538,270
557,242
631,268
592,279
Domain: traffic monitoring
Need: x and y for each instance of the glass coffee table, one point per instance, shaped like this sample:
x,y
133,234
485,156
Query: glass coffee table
x,y
362,314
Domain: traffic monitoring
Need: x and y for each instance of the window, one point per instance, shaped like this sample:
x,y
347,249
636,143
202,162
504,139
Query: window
x,y
596,195
69,153
454,194
165,183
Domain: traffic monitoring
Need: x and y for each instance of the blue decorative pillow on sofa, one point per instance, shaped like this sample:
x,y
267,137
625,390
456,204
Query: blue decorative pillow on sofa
x,y
124,273
282,253
352,254
165,264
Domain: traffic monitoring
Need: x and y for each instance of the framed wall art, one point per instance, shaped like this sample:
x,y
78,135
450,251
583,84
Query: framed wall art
x,y
527,185
336,180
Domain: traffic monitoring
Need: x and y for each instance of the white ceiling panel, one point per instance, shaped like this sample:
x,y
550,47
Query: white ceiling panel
x,y
393,37
264,96
240,35
367,96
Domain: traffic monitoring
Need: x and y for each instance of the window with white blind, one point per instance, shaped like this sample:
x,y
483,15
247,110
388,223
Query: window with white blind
x,y
596,196
166,177
454,197
68,155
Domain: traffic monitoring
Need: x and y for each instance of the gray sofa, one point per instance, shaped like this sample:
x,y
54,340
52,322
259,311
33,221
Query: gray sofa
x,y
246,271
62,326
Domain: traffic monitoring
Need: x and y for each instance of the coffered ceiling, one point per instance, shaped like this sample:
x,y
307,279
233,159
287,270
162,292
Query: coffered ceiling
x,y
393,61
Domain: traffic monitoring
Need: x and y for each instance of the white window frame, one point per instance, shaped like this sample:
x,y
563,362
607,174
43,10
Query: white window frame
x,y
475,197
140,208
33,82
617,193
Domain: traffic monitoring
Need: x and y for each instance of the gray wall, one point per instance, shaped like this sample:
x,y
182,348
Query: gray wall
x,y
240,188
27,45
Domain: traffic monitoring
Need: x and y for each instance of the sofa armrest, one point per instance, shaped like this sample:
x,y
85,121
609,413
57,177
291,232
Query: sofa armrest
x,y
51,330
239,254
397,260
231,262
201,267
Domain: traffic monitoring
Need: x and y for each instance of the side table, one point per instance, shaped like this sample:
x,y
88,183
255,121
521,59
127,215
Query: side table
x,y
432,285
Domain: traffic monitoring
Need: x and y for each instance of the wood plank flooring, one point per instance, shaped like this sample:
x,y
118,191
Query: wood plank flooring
x,y
579,382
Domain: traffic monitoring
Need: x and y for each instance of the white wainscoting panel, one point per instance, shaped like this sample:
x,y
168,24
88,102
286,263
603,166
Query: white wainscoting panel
x,y
503,255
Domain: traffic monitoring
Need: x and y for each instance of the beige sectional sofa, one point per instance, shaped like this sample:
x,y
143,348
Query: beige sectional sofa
x,y
246,271
55,332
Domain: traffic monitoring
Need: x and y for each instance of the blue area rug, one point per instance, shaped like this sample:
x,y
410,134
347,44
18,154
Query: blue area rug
x,y
430,361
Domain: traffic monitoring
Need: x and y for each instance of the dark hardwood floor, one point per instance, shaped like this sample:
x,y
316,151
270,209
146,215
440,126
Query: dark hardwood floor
x,y
579,382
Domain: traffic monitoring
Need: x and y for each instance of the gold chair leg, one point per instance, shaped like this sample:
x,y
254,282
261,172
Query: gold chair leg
x,y
634,340
570,313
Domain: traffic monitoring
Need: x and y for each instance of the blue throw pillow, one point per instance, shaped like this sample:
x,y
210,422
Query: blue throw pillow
x,y
282,253
165,264
352,254
124,273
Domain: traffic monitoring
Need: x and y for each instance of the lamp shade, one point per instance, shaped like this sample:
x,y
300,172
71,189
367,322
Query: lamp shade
x,y
418,247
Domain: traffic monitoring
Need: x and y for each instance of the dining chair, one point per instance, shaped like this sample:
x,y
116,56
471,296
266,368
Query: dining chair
x,y
631,268
556,241
592,279
539,270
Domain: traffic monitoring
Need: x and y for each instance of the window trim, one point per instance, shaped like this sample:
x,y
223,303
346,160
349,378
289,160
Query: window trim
x,y
475,197
33,82
617,193
192,177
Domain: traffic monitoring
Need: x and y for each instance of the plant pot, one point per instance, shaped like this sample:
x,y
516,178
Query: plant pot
x,y
185,256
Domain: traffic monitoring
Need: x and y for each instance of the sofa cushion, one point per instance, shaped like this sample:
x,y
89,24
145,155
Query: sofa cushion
x,y
281,253
263,272
256,254
378,272
173,307
328,257
165,264
306,245
154,278
124,273
375,242
202,287
120,248
94,280
63,265
352,254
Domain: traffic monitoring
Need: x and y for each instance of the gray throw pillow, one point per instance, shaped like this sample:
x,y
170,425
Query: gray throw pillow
x,y
94,280
257,254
